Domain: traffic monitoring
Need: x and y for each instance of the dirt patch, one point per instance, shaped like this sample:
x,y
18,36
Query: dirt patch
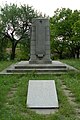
x,y
71,99
10,96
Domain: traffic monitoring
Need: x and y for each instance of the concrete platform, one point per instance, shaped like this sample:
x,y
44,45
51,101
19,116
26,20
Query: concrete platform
x,y
24,67
42,96
45,111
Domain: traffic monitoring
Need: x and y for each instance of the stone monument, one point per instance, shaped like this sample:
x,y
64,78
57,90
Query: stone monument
x,y
40,61
40,42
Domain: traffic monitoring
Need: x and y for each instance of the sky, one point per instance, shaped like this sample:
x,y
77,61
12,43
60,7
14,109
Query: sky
x,y
46,6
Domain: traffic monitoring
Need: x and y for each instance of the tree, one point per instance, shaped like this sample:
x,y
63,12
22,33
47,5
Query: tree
x,y
16,23
64,32
76,37
25,49
73,42
3,44
61,30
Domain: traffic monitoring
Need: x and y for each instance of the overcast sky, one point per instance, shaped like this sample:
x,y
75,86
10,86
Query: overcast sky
x,y
46,6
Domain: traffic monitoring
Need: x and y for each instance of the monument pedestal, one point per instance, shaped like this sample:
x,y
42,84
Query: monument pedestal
x,y
40,61
24,67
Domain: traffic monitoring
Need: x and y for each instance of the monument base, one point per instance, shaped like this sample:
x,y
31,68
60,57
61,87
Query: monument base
x,y
24,67
40,62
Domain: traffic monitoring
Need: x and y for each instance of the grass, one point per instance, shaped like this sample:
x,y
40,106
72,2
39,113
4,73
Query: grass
x,y
73,83
13,105
4,64
73,62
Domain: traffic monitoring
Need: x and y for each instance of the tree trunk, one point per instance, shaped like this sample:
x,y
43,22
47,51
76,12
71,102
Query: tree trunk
x,y
60,55
13,51
77,53
73,53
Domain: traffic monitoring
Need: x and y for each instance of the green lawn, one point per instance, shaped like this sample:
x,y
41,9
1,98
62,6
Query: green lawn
x,y
13,92
4,64
74,62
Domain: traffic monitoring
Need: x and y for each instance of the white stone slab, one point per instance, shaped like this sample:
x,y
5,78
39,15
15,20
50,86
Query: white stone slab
x,y
42,94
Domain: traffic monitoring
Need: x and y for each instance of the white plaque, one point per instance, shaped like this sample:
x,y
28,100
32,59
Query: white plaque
x,y
42,94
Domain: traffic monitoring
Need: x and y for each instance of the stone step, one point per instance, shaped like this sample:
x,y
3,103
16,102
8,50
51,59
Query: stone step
x,y
24,67
40,67
36,70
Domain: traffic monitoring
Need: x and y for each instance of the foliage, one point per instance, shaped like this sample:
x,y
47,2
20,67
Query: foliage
x,y
15,23
76,37
73,62
3,45
25,49
5,64
64,38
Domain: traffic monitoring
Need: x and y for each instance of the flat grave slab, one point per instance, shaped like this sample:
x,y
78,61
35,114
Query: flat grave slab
x,y
42,94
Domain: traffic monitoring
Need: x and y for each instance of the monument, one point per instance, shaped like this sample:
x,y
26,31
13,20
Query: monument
x,y
40,60
40,42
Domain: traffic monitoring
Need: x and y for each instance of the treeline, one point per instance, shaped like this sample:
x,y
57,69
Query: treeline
x,y
65,33
15,23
